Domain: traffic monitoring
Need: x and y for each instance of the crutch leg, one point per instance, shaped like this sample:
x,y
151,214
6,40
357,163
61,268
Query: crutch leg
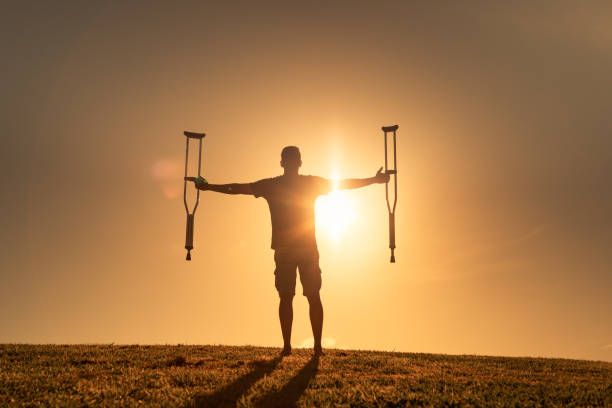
x,y
392,236
189,236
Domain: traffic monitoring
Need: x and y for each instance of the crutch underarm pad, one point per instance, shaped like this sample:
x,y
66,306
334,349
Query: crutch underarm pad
x,y
194,135
390,128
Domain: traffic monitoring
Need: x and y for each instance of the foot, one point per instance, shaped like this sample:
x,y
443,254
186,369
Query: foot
x,y
318,351
286,351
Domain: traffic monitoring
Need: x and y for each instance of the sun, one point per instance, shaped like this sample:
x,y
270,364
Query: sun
x,y
335,213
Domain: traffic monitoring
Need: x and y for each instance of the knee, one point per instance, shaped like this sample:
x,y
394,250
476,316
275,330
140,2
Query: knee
x,y
286,299
314,299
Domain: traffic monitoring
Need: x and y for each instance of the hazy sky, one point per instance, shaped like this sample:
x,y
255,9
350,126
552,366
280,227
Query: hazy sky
x,y
504,231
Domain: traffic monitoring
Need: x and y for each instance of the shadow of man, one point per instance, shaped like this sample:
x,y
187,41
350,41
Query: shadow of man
x,y
229,395
293,390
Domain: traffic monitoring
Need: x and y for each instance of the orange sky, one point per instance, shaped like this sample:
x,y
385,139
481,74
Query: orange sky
x,y
504,157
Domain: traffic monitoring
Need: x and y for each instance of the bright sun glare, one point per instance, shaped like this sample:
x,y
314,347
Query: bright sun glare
x,y
335,212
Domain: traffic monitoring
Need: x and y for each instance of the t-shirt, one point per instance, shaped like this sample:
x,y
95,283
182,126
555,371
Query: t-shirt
x,y
291,200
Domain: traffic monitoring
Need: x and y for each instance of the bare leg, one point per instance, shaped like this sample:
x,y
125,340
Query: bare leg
x,y
316,320
285,314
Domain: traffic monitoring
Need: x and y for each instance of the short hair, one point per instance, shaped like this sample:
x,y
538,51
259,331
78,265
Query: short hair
x,y
291,152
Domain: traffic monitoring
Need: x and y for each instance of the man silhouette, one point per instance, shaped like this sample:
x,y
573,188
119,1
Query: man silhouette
x,y
291,199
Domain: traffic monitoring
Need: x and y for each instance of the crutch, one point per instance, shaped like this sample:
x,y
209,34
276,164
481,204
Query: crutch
x,y
189,235
393,172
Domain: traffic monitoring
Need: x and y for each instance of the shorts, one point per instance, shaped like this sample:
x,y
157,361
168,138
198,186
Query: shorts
x,y
287,261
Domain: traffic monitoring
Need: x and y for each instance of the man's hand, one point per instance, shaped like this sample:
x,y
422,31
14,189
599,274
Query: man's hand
x,y
200,182
381,177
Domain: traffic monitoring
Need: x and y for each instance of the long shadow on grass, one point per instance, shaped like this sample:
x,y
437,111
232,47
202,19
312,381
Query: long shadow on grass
x,y
231,393
291,392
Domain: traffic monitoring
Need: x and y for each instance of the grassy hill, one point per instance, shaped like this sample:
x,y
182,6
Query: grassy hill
x,y
217,376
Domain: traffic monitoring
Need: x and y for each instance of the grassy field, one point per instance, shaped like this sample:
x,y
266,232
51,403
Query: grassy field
x,y
217,376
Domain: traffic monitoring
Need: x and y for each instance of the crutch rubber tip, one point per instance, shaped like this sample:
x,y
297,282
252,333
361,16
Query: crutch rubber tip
x,y
392,258
188,256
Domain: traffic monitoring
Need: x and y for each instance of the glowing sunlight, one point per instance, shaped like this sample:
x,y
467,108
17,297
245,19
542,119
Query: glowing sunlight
x,y
335,212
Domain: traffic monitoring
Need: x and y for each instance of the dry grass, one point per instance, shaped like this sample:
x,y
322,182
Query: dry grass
x,y
202,376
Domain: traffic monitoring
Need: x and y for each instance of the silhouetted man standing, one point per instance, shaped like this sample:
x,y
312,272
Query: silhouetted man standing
x,y
291,199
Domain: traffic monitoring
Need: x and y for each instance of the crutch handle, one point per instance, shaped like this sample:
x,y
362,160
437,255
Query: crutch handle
x,y
390,128
194,135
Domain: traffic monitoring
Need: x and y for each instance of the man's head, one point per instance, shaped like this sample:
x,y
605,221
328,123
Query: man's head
x,y
291,159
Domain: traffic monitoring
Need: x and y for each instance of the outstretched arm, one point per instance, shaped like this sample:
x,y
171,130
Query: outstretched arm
x,y
234,188
379,178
